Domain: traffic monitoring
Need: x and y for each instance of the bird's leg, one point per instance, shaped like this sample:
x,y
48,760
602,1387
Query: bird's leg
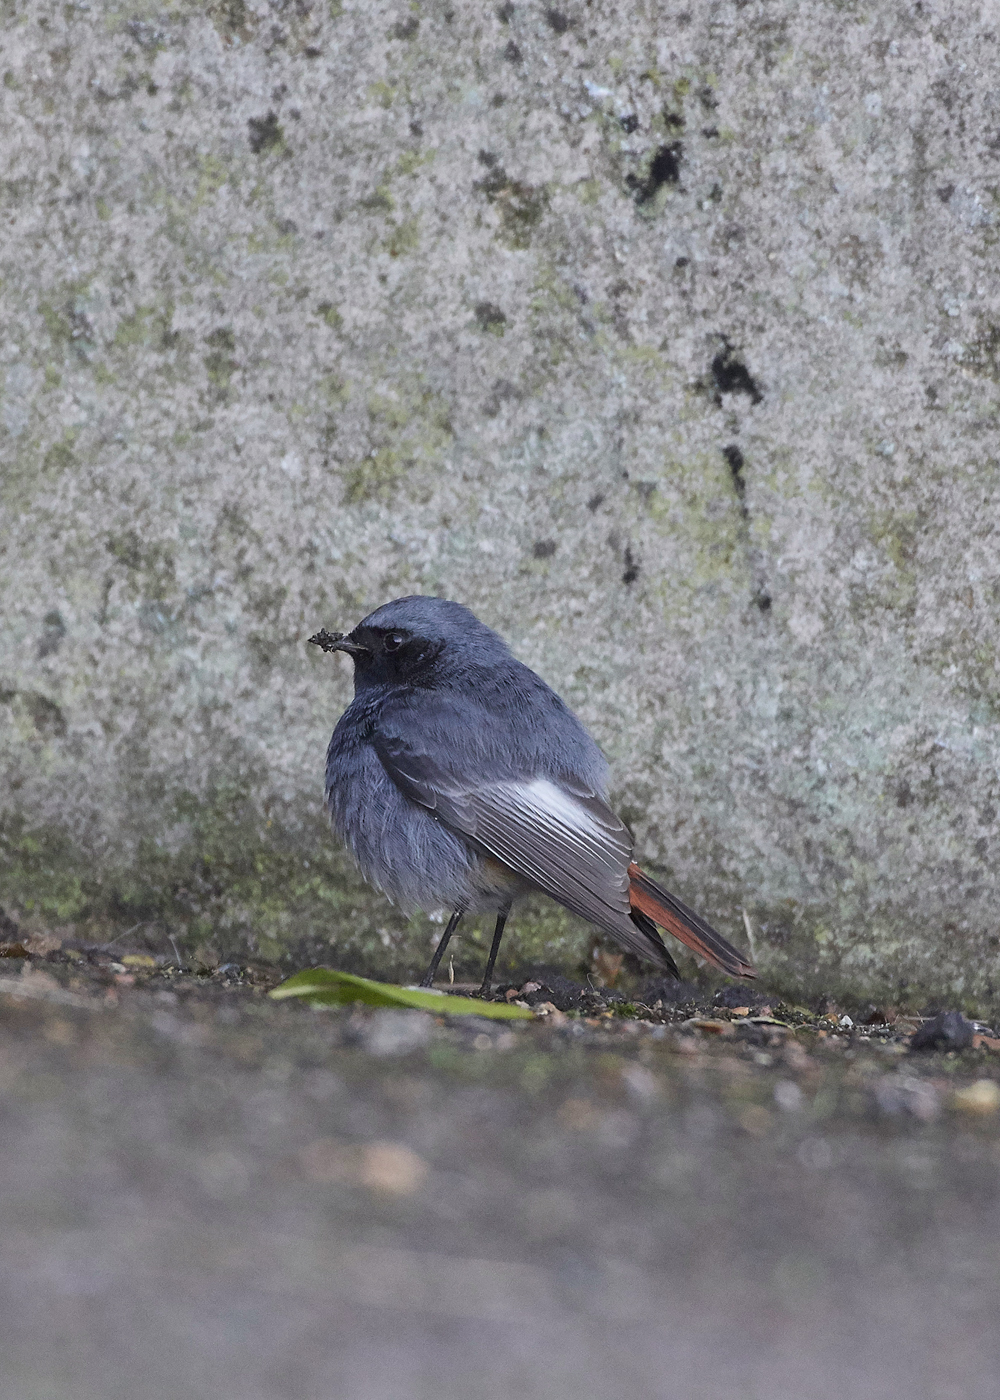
x,y
428,978
487,986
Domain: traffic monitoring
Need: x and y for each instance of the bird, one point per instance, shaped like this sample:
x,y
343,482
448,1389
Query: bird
x,y
460,781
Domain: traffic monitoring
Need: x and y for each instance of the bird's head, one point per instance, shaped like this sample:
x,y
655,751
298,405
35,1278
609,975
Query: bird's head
x,y
419,640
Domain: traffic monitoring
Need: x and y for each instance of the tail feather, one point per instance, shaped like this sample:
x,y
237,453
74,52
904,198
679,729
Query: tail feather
x,y
650,899
656,949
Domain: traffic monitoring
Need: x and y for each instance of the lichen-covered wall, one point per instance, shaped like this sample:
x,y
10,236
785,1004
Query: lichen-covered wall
x,y
666,337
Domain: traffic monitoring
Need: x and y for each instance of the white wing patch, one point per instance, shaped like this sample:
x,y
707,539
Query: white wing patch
x,y
556,801
592,837
576,849
564,840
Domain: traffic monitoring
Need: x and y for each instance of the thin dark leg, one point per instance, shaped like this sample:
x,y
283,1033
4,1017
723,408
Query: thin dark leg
x,y
428,978
487,986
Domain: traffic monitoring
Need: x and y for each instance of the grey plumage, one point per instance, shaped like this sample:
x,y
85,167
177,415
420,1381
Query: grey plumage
x,y
459,779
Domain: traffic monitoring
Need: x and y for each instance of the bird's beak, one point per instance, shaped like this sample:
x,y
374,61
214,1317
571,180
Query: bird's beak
x,y
337,641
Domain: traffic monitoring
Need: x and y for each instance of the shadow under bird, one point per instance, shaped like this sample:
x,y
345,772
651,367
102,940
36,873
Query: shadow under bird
x,y
459,780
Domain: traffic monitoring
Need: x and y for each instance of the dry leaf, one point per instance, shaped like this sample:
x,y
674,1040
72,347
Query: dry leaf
x,y
608,966
40,944
986,1042
708,1027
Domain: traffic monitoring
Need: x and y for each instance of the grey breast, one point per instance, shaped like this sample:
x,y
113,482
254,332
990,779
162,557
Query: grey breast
x,y
397,844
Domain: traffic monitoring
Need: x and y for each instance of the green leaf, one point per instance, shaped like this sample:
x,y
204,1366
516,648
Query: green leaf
x,y
323,986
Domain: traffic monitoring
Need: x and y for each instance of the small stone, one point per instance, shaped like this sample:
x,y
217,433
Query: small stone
x,y
815,1153
387,1168
788,1095
707,1026
906,1094
396,1032
391,1169
949,1030
641,1083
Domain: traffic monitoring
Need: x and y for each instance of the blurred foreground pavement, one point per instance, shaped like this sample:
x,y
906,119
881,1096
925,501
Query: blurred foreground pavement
x,y
209,1194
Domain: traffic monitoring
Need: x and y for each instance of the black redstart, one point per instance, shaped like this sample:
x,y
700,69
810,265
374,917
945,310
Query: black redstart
x,y
459,780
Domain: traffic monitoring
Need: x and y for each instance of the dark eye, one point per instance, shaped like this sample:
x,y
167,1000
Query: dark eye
x,y
393,642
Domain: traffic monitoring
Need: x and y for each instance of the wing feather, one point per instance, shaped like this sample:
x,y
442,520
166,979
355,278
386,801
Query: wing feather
x,y
569,844
560,836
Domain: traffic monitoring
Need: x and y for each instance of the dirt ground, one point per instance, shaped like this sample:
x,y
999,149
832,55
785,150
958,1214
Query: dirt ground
x,y
210,1194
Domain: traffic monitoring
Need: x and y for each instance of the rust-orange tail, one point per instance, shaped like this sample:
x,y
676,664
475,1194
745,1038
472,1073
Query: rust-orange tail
x,y
668,911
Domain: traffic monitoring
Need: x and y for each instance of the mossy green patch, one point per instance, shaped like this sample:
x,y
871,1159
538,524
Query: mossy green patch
x,y
60,457
329,313
694,503
404,237
411,161
803,953
376,477
232,19
212,175
220,362
410,430
146,326
382,92
148,564
248,886
230,877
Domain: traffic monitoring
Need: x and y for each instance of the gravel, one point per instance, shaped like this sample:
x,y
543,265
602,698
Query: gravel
x,y
206,1192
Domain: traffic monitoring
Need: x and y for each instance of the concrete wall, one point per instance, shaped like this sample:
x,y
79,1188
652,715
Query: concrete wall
x,y
665,336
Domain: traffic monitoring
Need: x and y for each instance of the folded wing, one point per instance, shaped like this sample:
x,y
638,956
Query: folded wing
x,y
568,843
565,840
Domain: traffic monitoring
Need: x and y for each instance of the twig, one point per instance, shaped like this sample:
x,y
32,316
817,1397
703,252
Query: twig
x,y
145,924
749,928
